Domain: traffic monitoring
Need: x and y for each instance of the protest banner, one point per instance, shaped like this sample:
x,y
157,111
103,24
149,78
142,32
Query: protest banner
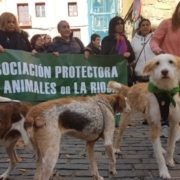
x,y
41,77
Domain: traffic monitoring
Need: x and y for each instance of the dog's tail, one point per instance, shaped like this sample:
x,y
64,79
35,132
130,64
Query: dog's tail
x,y
117,87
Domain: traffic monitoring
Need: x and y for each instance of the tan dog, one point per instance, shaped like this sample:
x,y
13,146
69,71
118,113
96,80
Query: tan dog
x,y
87,118
12,118
164,74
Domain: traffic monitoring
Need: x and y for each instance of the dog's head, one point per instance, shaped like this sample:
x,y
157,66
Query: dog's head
x,y
164,71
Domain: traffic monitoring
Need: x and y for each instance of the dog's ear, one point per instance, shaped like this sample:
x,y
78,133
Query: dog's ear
x,y
114,86
120,103
148,68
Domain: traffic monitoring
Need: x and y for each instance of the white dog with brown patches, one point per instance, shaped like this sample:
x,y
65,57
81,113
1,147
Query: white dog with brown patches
x,y
87,118
163,87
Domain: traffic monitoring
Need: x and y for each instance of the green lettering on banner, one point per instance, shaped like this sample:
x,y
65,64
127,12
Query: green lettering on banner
x,y
44,76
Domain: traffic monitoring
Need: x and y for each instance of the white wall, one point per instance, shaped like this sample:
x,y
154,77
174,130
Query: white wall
x,y
56,10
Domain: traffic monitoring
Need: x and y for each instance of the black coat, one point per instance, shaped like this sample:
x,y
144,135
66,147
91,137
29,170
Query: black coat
x,y
92,49
15,40
108,46
74,46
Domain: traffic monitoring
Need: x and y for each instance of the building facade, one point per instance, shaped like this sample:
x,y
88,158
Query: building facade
x,y
99,14
155,10
42,17
84,16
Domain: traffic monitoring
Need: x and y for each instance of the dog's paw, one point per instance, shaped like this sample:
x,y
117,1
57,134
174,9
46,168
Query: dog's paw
x,y
3,177
170,162
101,178
19,159
117,151
98,177
164,174
112,171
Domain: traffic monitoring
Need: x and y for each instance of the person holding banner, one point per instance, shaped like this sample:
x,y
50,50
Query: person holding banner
x,y
66,43
94,47
11,36
117,43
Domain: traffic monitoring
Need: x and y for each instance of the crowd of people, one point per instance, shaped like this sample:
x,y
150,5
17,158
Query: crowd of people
x,y
144,45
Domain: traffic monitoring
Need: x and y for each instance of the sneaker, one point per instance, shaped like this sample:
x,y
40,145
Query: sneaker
x,y
164,131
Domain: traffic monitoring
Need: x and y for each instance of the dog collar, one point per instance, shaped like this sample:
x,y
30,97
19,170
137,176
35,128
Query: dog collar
x,y
167,94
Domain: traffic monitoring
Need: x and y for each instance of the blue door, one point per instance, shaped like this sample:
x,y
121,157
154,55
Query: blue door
x,y
100,12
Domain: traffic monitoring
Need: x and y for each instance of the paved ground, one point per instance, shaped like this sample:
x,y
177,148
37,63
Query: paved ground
x,y
136,163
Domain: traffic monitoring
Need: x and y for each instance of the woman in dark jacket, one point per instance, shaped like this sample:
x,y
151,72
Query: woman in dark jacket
x,y
117,43
11,36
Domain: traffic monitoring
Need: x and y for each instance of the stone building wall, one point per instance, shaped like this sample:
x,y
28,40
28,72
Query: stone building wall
x,y
155,10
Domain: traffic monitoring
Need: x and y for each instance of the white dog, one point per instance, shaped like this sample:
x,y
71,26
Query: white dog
x,y
88,118
164,74
163,86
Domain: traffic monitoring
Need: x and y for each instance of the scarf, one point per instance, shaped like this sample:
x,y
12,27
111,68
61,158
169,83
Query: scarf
x,y
168,95
121,45
164,98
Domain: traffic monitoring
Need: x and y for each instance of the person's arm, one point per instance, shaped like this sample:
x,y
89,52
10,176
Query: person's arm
x,y
87,51
2,49
88,48
158,37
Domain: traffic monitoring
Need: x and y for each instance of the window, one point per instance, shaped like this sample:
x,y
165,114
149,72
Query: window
x,y
23,15
72,9
76,33
40,9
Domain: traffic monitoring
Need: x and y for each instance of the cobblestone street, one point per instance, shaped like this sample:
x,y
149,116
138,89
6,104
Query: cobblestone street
x,y
136,163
